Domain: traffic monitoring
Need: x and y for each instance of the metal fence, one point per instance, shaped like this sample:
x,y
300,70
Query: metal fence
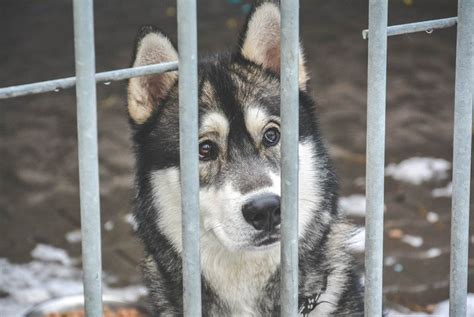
x,y
85,82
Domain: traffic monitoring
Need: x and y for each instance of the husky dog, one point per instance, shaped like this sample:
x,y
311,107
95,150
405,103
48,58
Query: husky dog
x,y
239,152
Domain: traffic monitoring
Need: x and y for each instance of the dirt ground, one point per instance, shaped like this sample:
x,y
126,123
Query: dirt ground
x,y
39,200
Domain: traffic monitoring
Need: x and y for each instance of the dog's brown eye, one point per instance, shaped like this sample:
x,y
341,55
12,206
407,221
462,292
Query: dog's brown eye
x,y
271,137
207,151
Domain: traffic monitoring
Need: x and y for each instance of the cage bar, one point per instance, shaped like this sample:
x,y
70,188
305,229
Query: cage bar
x,y
88,156
188,138
424,26
461,159
289,155
376,93
63,83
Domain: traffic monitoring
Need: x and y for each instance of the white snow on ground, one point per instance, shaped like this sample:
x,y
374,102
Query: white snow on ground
x,y
414,241
441,310
109,225
353,205
417,170
74,236
357,241
49,253
432,217
428,254
394,313
433,252
51,274
389,261
443,191
127,294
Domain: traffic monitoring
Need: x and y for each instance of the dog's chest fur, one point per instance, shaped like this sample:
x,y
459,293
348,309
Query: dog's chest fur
x,y
239,279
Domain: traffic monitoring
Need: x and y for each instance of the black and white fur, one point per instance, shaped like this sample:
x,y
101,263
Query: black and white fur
x,y
238,104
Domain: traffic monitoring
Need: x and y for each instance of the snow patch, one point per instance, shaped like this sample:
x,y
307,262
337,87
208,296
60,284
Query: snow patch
x,y
441,310
74,236
353,205
417,170
394,313
432,217
34,282
414,241
129,293
389,261
109,225
433,252
47,253
50,275
443,191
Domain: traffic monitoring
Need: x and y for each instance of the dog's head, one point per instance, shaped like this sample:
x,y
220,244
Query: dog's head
x,y
239,139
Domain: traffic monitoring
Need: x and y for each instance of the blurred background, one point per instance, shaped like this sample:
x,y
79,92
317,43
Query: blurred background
x,y
39,200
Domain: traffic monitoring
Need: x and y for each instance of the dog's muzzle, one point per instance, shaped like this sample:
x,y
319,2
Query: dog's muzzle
x,y
263,212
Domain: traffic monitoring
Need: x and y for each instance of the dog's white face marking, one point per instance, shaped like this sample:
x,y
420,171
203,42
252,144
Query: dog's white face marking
x,y
167,198
221,210
255,120
215,123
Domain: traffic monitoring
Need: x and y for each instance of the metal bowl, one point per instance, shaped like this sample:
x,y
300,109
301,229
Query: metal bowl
x,y
76,302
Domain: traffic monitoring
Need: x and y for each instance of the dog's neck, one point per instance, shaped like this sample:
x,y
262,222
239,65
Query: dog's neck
x,y
238,278
248,282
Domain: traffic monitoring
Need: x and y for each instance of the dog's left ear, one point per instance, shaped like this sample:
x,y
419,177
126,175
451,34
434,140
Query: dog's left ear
x,y
146,93
260,41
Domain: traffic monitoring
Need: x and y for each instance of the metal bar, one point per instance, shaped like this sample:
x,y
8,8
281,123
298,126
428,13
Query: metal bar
x,y
63,83
461,158
88,157
424,26
289,155
188,138
376,93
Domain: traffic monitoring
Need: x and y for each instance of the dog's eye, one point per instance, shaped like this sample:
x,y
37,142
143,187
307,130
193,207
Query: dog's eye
x,y
207,151
271,137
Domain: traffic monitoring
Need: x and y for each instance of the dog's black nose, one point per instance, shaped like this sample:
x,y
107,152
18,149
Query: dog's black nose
x,y
263,212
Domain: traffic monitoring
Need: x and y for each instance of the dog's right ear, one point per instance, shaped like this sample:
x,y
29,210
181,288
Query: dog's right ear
x,y
146,92
260,40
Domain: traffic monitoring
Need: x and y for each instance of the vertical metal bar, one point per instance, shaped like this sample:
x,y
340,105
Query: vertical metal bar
x,y
88,156
289,155
376,91
188,138
461,158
